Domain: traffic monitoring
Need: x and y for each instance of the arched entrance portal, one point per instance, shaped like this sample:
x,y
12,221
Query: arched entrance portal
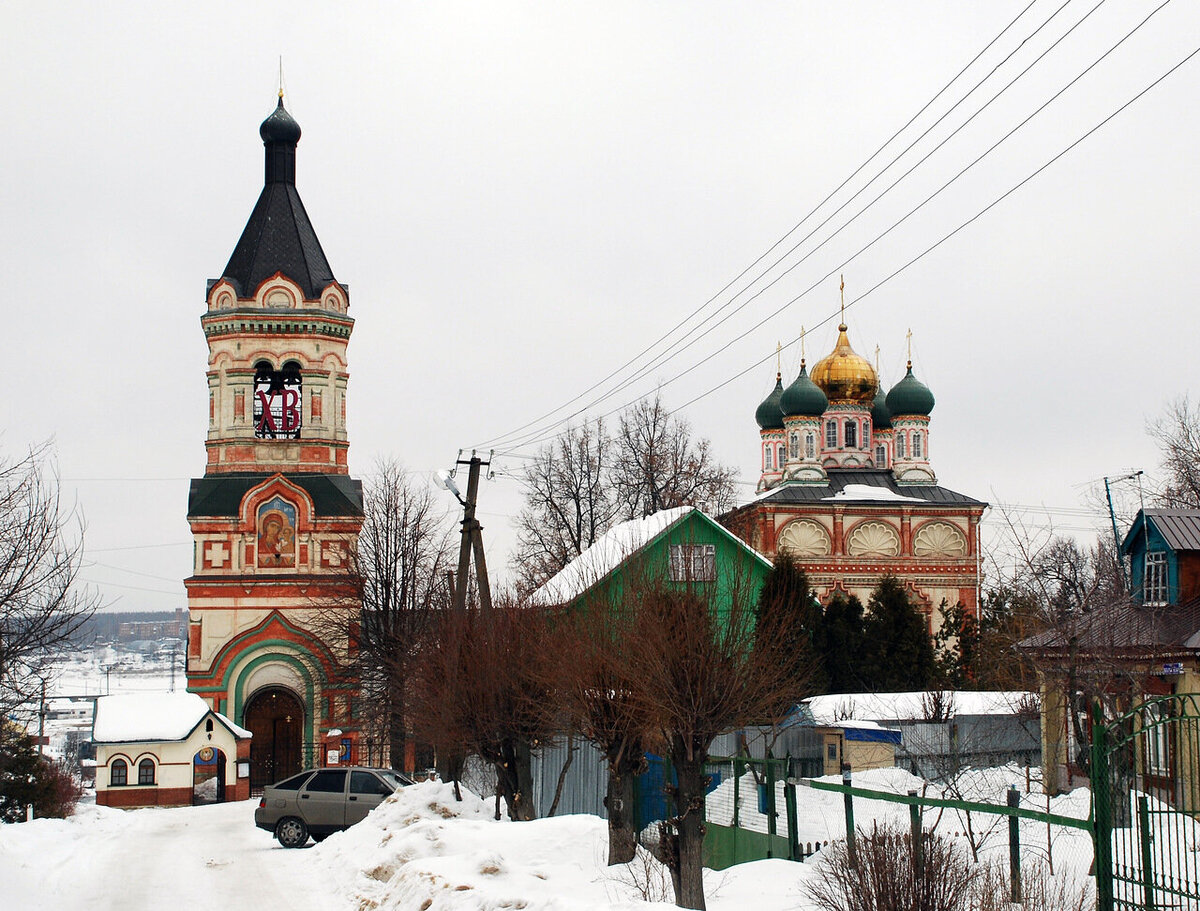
x,y
276,719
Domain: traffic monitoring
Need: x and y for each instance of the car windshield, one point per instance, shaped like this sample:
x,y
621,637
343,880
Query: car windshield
x,y
395,779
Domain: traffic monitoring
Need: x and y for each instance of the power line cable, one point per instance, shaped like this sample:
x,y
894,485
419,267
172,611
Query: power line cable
x,y
924,252
525,440
795,228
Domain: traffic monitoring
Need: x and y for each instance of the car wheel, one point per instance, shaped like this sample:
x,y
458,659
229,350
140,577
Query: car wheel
x,y
292,832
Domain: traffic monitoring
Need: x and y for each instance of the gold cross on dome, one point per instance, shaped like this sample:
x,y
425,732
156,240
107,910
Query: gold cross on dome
x,y
801,346
908,335
779,360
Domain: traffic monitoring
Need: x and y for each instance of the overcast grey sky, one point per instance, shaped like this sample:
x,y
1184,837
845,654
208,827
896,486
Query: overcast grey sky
x,y
522,196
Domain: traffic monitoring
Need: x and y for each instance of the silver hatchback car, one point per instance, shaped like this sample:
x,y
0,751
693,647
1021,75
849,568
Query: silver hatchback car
x,y
320,802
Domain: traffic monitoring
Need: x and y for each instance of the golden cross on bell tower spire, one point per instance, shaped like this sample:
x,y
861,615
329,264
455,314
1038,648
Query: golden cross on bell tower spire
x,y
778,361
842,288
281,77
802,347
908,336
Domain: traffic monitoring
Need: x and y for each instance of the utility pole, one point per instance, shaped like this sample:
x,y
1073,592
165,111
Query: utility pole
x,y
42,722
1137,475
472,534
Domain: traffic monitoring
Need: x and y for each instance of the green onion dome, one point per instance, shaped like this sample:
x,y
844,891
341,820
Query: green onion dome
x,y
804,397
769,415
910,396
881,418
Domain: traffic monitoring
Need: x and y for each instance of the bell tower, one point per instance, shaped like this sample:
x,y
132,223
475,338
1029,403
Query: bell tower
x,y
276,513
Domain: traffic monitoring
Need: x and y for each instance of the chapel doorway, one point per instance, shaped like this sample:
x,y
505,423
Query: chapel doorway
x,y
208,776
276,719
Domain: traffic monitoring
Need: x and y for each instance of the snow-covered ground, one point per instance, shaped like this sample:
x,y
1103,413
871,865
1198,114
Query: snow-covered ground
x,y
420,849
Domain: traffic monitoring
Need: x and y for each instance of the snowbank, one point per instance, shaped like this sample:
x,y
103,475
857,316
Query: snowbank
x,y
422,849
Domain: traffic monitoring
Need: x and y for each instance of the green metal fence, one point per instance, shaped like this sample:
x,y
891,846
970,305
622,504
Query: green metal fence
x,y
1146,791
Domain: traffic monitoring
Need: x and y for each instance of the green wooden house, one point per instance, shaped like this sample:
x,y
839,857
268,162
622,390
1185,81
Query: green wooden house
x,y
681,547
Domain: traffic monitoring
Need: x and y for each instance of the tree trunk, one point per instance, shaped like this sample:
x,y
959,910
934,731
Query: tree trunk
x,y
562,774
514,778
619,801
685,857
396,725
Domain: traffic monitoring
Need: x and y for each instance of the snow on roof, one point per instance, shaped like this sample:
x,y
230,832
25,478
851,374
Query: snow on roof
x,y
871,492
605,554
152,716
840,707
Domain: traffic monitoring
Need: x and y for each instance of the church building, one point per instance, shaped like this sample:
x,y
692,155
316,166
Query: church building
x,y
276,513
847,486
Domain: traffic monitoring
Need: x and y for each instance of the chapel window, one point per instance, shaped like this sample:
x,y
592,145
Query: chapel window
x,y
916,444
810,446
881,457
146,771
901,446
851,434
1154,590
118,773
831,434
768,460
793,445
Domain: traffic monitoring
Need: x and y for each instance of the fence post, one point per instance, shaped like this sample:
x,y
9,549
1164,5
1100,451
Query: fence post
x,y
772,828
1014,847
789,800
1101,811
851,849
739,769
1147,854
914,815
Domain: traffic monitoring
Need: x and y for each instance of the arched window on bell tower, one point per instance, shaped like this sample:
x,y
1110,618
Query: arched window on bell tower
x,y
277,401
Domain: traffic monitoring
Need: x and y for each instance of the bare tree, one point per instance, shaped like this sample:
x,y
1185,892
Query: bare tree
x,y
699,669
480,690
592,684
393,585
569,502
42,606
1177,432
661,465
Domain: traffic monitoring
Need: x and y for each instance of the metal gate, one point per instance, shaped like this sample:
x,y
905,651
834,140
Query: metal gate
x,y
1146,789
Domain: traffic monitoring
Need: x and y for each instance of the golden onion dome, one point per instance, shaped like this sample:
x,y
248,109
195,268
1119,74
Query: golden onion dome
x,y
845,376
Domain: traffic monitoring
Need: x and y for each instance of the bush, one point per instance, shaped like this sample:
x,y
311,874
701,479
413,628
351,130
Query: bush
x,y
883,877
1039,890
27,778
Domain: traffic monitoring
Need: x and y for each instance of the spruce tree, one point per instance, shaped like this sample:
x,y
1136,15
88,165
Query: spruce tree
x,y
839,643
787,609
898,651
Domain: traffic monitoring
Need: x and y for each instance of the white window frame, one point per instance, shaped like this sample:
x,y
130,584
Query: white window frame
x,y
810,445
1155,589
916,445
793,445
901,448
693,563
768,457
1158,741
881,456
851,434
831,434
